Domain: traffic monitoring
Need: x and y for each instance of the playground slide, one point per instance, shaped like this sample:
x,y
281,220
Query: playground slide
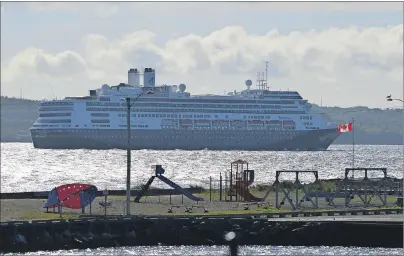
x,y
146,187
175,186
244,192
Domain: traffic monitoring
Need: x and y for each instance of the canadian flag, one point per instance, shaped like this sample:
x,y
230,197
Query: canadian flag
x,y
344,128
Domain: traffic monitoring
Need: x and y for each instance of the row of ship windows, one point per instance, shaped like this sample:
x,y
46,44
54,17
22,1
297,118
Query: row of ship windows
x,y
54,114
288,133
227,106
43,109
70,114
96,103
56,103
111,104
41,121
167,105
100,114
227,128
177,103
107,121
56,109
170,127
56,125
51,125
163,115
180,137
186,116
199,110
64,121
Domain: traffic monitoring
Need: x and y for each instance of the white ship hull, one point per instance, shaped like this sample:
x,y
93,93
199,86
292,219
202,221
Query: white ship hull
x,y
186,140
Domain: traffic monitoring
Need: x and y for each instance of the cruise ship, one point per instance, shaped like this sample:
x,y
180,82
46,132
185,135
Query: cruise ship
x,y
167,117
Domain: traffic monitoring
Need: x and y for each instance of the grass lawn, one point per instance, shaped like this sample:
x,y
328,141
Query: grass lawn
x,y
48,216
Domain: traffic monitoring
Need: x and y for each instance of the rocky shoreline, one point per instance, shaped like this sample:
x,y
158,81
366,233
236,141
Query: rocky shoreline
x,y
99,232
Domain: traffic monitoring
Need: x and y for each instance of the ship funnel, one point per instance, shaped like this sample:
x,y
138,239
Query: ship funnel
x,y
133,77
149,78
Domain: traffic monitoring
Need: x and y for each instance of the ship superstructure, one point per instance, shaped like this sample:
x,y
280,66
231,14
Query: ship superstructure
x,y
169,117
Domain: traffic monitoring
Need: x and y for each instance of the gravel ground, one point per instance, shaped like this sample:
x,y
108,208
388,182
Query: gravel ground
x,y
25,209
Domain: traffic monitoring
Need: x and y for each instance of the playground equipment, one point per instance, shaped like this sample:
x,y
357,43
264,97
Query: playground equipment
x,y
366,189
234,187
159,171
73,196
296,186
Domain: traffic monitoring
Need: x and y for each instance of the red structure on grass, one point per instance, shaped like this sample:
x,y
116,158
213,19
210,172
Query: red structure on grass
x,y
74,196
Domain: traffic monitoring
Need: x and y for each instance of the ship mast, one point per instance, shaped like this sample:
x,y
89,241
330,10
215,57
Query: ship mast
x,y
262,81
266,75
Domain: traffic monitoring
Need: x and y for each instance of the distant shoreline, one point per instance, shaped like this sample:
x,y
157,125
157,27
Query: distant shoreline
x,y
373,126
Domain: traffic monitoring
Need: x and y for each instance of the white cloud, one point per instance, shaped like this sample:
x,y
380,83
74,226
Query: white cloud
x,y
343,66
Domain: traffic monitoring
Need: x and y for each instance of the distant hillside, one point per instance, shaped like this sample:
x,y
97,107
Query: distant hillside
x,y
17,116
372,126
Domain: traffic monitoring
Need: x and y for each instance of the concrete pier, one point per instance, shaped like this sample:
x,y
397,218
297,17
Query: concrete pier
x,y
93,232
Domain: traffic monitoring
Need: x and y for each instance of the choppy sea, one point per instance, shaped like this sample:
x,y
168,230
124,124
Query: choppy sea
x,y
24,168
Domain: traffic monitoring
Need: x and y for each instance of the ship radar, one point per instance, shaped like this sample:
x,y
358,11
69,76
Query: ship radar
x,y
182,87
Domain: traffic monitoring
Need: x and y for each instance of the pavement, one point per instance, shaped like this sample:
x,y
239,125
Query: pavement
x,y
353,218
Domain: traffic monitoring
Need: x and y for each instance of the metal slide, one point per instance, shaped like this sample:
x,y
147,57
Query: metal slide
x,y
244,192
175,186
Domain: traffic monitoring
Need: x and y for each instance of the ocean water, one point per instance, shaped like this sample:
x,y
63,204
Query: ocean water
x,y
24,168
223,250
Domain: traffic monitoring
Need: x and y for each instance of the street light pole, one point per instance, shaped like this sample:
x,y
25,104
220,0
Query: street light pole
x,y
391,99
128,158
128,150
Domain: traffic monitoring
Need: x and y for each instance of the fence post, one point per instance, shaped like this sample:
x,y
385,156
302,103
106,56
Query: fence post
x,y
231,186
236,187
210,188
220,187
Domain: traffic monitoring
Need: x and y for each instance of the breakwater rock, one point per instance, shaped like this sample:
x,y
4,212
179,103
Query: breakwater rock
x,y
131,231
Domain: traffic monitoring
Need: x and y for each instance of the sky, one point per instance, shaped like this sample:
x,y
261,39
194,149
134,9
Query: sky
x,y
335,53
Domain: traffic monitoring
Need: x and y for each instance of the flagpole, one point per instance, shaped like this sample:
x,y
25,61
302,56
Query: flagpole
x,y
353,146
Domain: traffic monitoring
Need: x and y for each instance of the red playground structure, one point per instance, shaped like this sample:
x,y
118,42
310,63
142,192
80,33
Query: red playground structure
x,y
243,179
73,196
234,185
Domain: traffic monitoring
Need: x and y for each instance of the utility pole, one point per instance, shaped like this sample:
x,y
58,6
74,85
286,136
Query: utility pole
x,y
128,149
128,158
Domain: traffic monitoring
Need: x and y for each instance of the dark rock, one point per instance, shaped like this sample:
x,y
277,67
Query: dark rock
x,y
176,231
